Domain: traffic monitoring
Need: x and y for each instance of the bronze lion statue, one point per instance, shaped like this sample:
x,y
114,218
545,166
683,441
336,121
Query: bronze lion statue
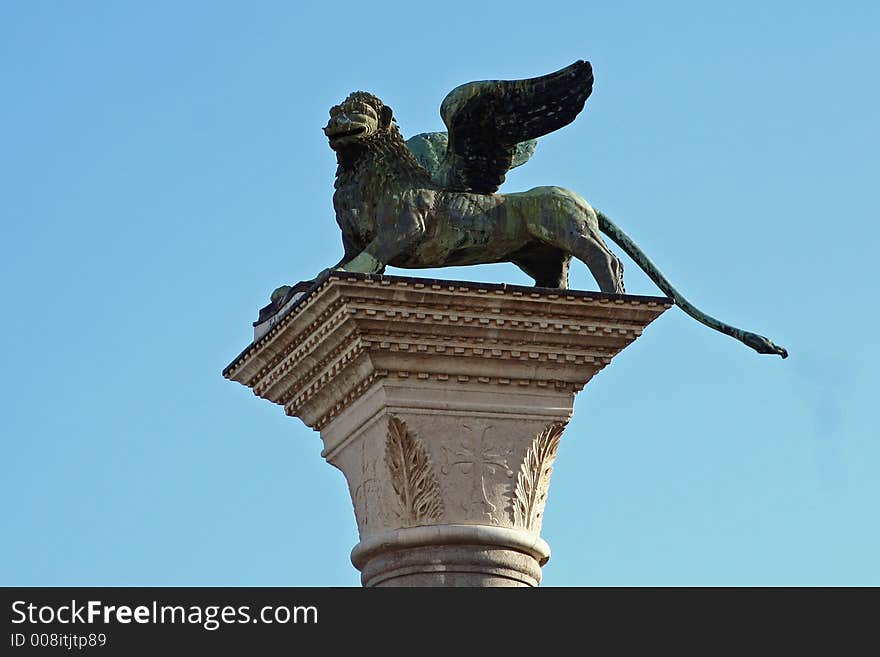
x,y
433,201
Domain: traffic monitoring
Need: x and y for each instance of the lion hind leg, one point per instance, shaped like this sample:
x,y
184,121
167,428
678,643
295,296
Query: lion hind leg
x,y
589,247
561,219
546,264
606,268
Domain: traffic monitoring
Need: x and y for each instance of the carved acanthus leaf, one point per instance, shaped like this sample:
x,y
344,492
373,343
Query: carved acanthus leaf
x,y
533,480
412,476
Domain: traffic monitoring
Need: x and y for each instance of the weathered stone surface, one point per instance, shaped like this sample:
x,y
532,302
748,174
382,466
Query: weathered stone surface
x,y
443,404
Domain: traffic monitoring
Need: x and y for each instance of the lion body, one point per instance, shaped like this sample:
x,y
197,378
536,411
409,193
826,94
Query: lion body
x,y
388,208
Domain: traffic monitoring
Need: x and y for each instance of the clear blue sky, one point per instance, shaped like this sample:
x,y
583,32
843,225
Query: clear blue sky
x,y
162,169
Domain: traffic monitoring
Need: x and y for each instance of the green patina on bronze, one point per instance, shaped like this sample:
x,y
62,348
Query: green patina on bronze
x,y
432,201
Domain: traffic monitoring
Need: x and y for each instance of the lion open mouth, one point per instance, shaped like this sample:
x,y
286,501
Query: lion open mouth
x,y
333,135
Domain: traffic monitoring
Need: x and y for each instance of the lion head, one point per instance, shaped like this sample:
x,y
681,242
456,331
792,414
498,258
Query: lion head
x,y
358,118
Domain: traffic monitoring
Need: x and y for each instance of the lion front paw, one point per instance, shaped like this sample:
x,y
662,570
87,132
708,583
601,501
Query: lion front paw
x,y
279,293
363,263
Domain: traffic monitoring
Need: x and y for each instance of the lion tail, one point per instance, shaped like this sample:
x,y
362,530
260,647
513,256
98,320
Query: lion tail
x,y
757,342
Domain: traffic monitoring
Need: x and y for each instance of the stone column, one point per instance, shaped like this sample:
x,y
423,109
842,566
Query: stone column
x,y
443,404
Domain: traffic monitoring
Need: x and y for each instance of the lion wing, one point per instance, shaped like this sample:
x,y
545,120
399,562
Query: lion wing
x,y
486,120
429,149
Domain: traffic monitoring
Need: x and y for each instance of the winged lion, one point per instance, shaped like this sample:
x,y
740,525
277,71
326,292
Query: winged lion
x,y
433,201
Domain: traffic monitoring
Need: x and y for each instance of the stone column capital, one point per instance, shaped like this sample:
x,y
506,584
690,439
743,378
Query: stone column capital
x,y
443,403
